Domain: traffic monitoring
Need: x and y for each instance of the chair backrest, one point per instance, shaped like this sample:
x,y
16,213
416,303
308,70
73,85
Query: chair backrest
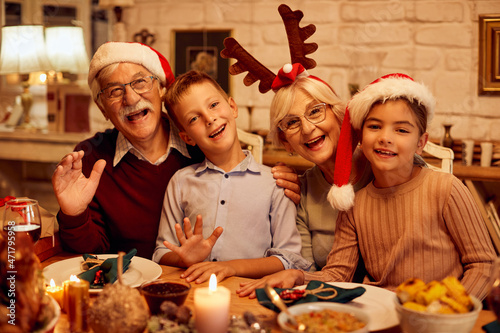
x,y
444,154
253,142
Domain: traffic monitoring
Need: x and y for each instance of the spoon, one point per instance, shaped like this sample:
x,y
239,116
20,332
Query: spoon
x,y
276,300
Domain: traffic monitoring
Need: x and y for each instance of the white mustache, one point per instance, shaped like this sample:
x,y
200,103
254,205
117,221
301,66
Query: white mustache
x,y
130,109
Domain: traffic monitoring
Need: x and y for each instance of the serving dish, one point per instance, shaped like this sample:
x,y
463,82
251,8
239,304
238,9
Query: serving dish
x,y
139,271
413,321
377,302
298,309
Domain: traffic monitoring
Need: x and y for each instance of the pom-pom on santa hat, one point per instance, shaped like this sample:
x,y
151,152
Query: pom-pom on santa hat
x,y
287,75
388,87
137,53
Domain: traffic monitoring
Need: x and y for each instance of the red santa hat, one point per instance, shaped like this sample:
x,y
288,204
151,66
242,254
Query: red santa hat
x,y
388,87
137,53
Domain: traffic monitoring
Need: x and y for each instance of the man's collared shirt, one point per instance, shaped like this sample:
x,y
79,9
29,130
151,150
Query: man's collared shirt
x,y
123,146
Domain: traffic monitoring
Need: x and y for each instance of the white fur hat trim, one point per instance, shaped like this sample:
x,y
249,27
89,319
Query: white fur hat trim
x,y
115,52
388,89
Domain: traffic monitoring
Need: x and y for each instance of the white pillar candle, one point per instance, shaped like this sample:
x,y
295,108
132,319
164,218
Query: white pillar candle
x,y
211,308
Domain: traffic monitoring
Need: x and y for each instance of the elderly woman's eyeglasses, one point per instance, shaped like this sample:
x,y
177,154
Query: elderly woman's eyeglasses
x,y
140,86
291,124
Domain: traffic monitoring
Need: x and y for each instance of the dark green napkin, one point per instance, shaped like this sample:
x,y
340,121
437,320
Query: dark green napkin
x,y
493,327
109,267
343,295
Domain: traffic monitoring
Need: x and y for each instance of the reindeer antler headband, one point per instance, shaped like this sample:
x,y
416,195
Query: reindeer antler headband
x,y
298,52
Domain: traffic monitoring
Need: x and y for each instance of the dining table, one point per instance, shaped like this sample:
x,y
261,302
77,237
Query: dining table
x,y
238,305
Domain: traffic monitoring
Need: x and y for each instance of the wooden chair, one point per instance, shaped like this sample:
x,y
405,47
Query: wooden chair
x,y
253,142
444,154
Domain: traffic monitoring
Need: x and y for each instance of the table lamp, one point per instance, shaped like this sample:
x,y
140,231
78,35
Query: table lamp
x,y
23,52
66,49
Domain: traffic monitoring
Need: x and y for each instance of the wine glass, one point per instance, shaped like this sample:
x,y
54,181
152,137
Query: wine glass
x,y
23,216
494,295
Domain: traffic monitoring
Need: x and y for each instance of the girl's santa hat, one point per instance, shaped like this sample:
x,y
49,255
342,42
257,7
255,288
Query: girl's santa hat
x,y
136,53
388,87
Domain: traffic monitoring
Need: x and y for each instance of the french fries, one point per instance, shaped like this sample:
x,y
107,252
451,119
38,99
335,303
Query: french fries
x,y
447,296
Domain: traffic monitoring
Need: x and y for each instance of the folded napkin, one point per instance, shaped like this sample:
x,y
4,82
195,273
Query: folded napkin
x,y
343,295
493,327
109,268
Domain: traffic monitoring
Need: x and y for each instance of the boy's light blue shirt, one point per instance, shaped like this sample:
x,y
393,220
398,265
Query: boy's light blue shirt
x,y
258,219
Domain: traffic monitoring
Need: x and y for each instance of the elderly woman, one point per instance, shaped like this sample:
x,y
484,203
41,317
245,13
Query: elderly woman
x,y
306,118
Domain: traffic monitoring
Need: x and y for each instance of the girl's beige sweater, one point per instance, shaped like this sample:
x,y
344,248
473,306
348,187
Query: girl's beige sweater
x,y
429,228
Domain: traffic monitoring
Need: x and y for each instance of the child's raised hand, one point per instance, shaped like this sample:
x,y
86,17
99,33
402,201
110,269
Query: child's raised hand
x,y
201,272
194,248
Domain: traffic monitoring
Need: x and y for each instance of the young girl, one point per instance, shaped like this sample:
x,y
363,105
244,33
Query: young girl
x,y
410,222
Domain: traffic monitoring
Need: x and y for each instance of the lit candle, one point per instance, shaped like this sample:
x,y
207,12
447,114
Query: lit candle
x,y
56,292
65,292
78,304
211,307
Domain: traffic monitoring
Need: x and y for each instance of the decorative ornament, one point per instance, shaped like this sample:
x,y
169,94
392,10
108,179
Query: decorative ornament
x,y
291,295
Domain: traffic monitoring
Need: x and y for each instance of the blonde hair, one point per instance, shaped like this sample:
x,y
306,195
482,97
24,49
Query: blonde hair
x,y
285,98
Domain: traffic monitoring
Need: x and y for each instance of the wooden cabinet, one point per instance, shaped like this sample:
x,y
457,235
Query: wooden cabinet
x,y
27,161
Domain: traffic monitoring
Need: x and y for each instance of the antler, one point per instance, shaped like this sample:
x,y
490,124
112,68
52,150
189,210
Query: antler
x,y
297,36
246,62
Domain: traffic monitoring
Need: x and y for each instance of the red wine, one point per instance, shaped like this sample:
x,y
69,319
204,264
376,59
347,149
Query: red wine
x,y
494,300
32,230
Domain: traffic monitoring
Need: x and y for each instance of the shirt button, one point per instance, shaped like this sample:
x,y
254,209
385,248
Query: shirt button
x,y
226,176
222,202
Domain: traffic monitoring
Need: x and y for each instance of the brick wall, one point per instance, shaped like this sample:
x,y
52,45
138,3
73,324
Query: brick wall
x,y
433,41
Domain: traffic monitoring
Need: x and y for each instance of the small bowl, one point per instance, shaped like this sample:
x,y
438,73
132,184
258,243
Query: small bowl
x,y
299,309
158,291
412,321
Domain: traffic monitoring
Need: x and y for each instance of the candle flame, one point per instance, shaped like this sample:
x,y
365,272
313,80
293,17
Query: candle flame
x,y
74,278
212,285
52,283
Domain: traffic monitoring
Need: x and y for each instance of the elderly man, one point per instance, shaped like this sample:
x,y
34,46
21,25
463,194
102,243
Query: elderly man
x,y
111,188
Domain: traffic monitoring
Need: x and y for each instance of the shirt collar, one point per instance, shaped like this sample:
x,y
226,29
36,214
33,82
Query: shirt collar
x,y
123,146
248,164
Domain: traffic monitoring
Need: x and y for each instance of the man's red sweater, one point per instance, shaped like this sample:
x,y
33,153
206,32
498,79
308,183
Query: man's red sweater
x,y
125,211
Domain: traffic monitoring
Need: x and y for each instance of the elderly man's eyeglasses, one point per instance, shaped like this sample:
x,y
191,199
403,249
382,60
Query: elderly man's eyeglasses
x,y
291,124
140,86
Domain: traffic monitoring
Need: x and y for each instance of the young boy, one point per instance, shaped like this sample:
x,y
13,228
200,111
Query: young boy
x,y
410,222
248,226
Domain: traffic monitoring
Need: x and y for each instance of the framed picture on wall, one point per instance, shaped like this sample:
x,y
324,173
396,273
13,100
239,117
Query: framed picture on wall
x,y
489,55
200,50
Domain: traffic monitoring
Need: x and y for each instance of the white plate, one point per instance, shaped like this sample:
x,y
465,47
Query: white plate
x,y
377,302
139,271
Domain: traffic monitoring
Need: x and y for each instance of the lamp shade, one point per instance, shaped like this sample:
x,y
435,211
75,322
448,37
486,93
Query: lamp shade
x,y
66,49
23,50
